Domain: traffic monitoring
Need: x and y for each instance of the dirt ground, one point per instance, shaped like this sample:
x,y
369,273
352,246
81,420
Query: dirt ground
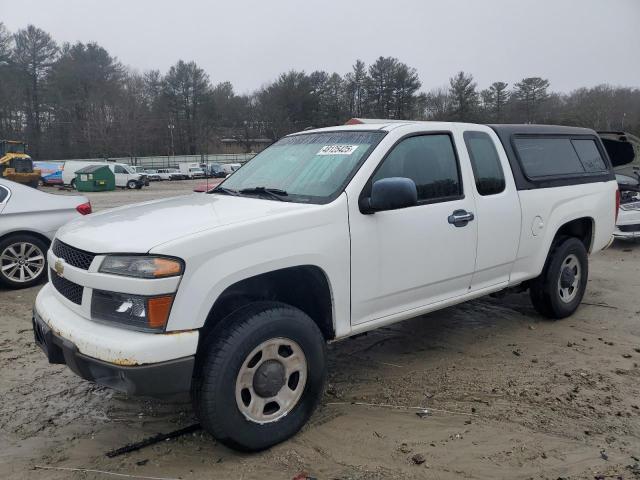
x,y
508,395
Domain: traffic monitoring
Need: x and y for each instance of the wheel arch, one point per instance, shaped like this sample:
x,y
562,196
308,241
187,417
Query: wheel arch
x,y
582,228
33,233
306,287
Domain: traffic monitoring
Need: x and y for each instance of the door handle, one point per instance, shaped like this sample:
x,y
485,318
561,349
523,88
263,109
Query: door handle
x,y
460,218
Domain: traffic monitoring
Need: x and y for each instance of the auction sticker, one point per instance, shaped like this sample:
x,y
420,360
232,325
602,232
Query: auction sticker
x,y
337,150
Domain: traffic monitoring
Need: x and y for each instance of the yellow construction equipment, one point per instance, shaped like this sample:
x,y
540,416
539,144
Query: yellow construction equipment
x,y
16,165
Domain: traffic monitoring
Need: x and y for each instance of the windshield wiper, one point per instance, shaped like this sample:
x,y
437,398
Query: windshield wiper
x,y
274,193
225,190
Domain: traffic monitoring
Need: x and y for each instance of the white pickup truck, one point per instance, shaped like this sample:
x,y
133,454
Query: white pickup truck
x,y
233,294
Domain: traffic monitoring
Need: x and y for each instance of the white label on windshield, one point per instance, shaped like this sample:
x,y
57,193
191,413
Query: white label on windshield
x,y
337,150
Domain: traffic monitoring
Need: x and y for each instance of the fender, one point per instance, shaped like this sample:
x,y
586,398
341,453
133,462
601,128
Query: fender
x,y
557,207
221,257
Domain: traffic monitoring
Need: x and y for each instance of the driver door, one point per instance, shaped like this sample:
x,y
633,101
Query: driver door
x,y
403,260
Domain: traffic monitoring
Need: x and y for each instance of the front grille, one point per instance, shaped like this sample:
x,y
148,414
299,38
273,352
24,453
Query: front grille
x,y
69,290
630,228
73,256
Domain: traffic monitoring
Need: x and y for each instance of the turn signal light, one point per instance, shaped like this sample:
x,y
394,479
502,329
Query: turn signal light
x,y
158,309
84,208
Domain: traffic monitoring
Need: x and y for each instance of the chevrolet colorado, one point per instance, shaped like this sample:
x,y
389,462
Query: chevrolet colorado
x,y
233,294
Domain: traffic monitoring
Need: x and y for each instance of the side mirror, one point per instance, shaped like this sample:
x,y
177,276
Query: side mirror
x,y
390,194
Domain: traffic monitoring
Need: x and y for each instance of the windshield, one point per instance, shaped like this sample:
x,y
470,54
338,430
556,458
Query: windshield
x,y
311,167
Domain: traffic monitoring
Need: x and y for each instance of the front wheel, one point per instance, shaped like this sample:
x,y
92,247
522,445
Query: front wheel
x,y
559,289
131,184
260,376
22,261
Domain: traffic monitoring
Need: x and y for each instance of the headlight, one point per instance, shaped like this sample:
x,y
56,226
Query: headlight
x,y
141,266
132,311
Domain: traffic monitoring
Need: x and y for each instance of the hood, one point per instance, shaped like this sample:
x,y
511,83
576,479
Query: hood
x,y
140,227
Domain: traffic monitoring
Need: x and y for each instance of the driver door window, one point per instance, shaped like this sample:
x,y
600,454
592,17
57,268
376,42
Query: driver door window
x,y
430,161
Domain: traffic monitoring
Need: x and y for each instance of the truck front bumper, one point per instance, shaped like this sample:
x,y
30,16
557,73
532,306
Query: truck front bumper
x,y
156,379
132,362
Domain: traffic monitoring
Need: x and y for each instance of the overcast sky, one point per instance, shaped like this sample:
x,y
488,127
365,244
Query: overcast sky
x,y
573,43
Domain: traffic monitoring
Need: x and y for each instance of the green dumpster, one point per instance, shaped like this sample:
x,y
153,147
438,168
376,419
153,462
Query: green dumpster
x,y
95,178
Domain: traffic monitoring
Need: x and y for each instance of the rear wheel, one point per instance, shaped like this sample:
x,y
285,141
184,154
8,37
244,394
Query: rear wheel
x,y
260,376
559,289
22,261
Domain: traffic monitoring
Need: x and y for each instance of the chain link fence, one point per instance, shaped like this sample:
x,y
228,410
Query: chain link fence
x,y
172,161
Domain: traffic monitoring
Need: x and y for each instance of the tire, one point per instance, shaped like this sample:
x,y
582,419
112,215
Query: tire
x,y
30,261
559,289
247,337
131,184
73,184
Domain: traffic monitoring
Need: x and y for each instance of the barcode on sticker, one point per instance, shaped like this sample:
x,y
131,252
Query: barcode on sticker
x,y
337,150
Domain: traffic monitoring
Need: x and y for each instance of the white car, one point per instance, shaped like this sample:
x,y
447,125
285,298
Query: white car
x,y
152,175
229,168
232,294
171,174
628,222
125,175
29,219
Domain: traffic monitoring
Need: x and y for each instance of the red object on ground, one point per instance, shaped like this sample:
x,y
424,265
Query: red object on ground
x,y
206,186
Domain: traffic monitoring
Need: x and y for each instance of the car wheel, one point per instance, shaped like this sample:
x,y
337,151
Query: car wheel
x,y
260,376
559,289
23,261
131,184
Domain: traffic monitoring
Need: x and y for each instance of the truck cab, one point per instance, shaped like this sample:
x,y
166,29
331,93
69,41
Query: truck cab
x,y
233,294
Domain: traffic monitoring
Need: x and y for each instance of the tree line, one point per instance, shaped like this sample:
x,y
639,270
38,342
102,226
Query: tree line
x,y
78,101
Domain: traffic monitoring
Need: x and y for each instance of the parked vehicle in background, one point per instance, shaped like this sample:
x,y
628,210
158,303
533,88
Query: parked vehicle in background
x,y
171,174
229,168
233,294
152,175
191,170
50,172
622,148
628,221
215,170
16,165
126,177
29,219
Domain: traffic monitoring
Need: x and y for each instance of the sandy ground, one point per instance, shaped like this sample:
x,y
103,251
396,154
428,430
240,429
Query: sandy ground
x,y
509,395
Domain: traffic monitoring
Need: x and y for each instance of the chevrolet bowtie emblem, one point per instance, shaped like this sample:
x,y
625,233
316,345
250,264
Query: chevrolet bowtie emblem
x,y
59,267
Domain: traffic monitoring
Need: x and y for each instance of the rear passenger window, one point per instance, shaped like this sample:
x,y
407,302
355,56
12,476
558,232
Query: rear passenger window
x,y
548,157
485,163
430,161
